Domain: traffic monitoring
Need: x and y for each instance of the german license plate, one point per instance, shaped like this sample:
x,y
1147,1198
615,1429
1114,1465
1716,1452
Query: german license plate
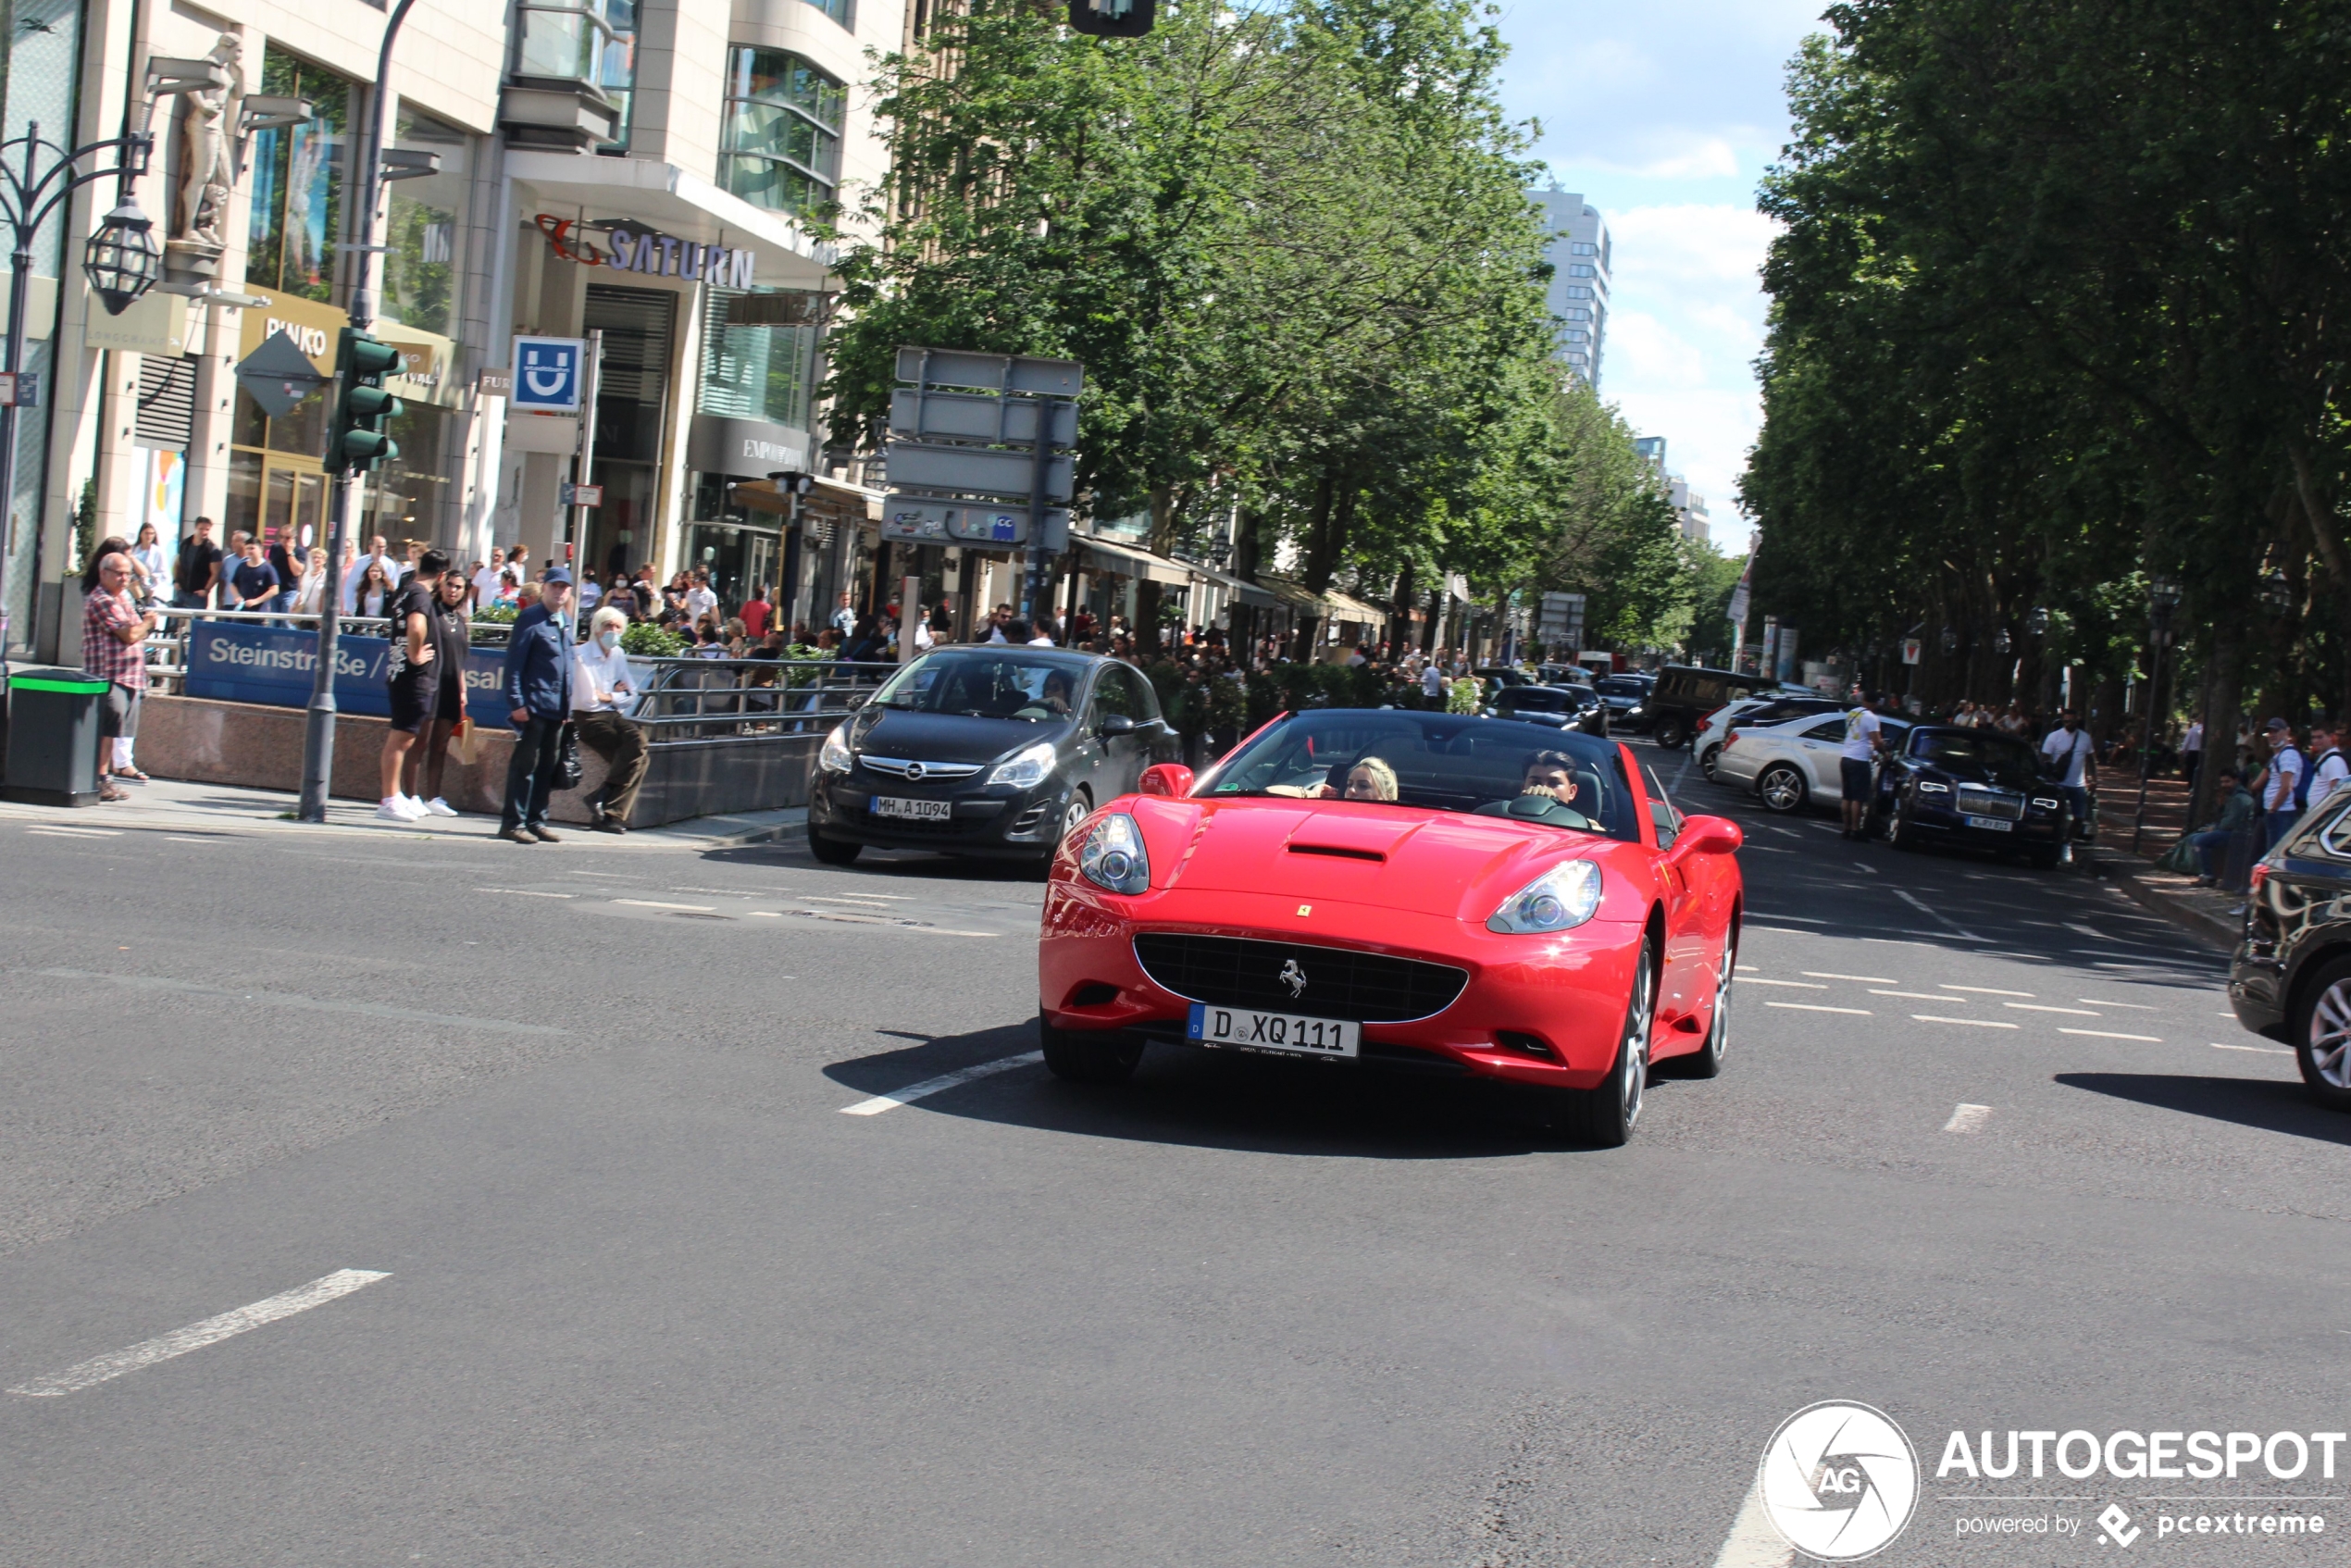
x,y
1285,1034
912,811
1998,825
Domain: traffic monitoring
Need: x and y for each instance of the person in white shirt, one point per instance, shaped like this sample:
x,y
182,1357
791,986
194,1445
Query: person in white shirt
x,y
2329,772
700,600
2191,751
1433,678
845,618
2070,748
1863,735
488,579
601,689
2280,782
589,592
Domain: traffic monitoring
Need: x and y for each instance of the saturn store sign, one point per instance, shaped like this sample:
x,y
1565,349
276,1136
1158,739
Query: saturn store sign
x,y
662,255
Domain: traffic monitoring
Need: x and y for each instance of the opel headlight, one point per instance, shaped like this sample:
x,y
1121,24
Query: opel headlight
x,y
1563,897
1027,770
1113,856
835,757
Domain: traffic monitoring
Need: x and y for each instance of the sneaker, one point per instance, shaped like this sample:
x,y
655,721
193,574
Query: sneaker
x,y
416,807
394,808
543,835
439,808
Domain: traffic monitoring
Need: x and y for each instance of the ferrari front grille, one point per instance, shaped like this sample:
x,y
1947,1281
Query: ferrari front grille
x,y
1319,982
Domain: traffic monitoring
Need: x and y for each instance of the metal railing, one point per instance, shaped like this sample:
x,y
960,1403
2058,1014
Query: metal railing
x,y
698,699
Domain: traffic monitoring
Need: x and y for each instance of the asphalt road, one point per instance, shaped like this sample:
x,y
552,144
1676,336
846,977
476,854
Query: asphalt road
x,y
649,1297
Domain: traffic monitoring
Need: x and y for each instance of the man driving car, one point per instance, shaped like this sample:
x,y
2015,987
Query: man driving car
x,y
1547,794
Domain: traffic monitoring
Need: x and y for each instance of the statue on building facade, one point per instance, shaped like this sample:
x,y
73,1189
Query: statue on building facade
x,y
208,153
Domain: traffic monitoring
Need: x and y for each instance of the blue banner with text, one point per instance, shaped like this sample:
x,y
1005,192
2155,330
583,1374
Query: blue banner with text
x,y
243,663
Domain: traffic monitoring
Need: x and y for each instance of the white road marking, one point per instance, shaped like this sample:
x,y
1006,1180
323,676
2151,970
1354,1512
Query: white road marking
x,y
766,915
1749,969
607,876
656,904
2039,1007
1870,869
1860,979
2089,931
1799,919
2105,1034
1795,984
866,903
1975,1023
1916,996
1752,1542
526,893
1982,990
2264,1049
1815,1007
929,1087
1777,828
1935,915
190,838
2135,1006
735,893
196,1335
1968,1118
77,832
304,1004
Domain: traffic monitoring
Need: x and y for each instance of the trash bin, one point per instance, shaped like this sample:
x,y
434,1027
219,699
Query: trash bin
x,y
53,737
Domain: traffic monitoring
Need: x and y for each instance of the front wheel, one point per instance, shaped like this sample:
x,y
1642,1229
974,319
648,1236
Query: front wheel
x,y
1670,734
833,851
1781,788
1706,761
1604,1115
1087,1058
2321,1035
1708,1061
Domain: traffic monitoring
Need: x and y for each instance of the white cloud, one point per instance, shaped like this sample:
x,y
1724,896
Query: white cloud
x,y
1711,157
1688,242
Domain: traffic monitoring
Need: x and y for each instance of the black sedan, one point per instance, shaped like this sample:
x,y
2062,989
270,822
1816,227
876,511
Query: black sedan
x,y
2290,978
1951,785
1627,698
1556,707
990,750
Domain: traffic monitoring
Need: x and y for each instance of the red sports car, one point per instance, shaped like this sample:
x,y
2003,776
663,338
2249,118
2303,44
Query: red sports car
x,y
1428,891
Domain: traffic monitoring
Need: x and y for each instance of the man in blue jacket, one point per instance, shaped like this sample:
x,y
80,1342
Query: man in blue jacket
x,y
538,692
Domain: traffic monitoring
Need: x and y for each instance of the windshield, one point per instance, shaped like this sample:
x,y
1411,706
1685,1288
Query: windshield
x,y
986,683
1439,762
1996,757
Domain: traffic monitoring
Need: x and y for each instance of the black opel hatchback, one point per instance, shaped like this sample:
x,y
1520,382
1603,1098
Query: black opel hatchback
x,y
988,750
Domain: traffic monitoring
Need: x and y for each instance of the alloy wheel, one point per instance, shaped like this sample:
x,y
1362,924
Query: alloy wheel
x,y
2330,1035
1720,1027
1781,790
1636,1045
1080,808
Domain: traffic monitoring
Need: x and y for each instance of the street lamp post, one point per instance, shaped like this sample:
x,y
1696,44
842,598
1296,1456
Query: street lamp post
x,y
2163,597
318,720
120,260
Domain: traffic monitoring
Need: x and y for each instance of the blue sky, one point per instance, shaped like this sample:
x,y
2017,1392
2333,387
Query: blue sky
x,y
1664,114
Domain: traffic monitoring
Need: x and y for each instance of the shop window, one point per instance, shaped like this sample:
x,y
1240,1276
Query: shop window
x,y
420,269
404,497
298,183
781,148
753,371
593,41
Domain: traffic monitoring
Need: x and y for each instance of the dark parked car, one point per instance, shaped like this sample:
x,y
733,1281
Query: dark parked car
x,y
2290,978
991,750
1951,785
1558,707
1627,697
1686,694
1506,675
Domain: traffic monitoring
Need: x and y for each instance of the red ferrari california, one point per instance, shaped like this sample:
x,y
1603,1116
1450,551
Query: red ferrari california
x,y
1383,889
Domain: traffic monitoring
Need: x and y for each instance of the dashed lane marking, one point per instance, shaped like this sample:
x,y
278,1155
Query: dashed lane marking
x,y
1797,985
2043,1007
1799,919
1983,990
1935,915
196,1335
526,893
2108,1034
76,832
1916,996
1866,866
2263,1049
1968,1118
1972,1023
656,904
1815,1007
2133,1006
929,1087
1859,979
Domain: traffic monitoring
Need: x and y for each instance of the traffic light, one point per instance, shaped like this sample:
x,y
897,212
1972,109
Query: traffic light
x,y
357,442
1113,19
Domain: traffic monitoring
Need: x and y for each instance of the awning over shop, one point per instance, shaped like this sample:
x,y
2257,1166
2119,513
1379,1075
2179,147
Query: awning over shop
x,y
1295,596
835,495
1242,591
1126,561
1346,607
664,197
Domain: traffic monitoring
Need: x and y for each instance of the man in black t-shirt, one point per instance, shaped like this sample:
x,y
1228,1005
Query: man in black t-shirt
x,y
198,569
254,581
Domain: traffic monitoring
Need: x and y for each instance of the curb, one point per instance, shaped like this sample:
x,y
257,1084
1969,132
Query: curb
x,y
2219,931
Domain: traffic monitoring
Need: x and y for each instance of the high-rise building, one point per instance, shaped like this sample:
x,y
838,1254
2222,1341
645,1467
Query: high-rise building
x,y
1689,510
1579,256
1651,450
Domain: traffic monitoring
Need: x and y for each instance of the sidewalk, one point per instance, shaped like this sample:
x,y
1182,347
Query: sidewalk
x,y
2214,917
172,805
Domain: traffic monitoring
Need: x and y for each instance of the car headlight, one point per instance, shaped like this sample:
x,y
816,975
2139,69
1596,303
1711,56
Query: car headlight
x,y
1564,896
1929,787
835,757
2042,803
1113,856
1027,770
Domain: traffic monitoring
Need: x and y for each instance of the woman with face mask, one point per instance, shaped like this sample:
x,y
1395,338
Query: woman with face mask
x,y
603,691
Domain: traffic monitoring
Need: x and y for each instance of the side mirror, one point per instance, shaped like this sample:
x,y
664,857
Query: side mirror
x,y
1168,778
1118,724
1709,834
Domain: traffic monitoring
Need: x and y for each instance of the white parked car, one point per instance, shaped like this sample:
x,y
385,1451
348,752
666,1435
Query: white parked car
x,y
1705,741
1793,764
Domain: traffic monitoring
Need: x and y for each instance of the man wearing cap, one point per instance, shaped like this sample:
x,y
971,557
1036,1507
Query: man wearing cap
x,y
2281,782
537,686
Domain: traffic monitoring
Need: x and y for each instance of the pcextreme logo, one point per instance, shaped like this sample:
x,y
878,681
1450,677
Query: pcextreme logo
x,y
1839,1480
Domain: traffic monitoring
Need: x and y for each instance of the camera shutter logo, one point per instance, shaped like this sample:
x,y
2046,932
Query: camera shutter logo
x,y
1839,1481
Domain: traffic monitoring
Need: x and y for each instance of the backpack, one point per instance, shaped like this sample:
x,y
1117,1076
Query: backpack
x,y
2309,772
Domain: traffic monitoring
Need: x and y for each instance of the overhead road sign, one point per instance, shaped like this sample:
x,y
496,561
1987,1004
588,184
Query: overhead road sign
x,y
915,520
